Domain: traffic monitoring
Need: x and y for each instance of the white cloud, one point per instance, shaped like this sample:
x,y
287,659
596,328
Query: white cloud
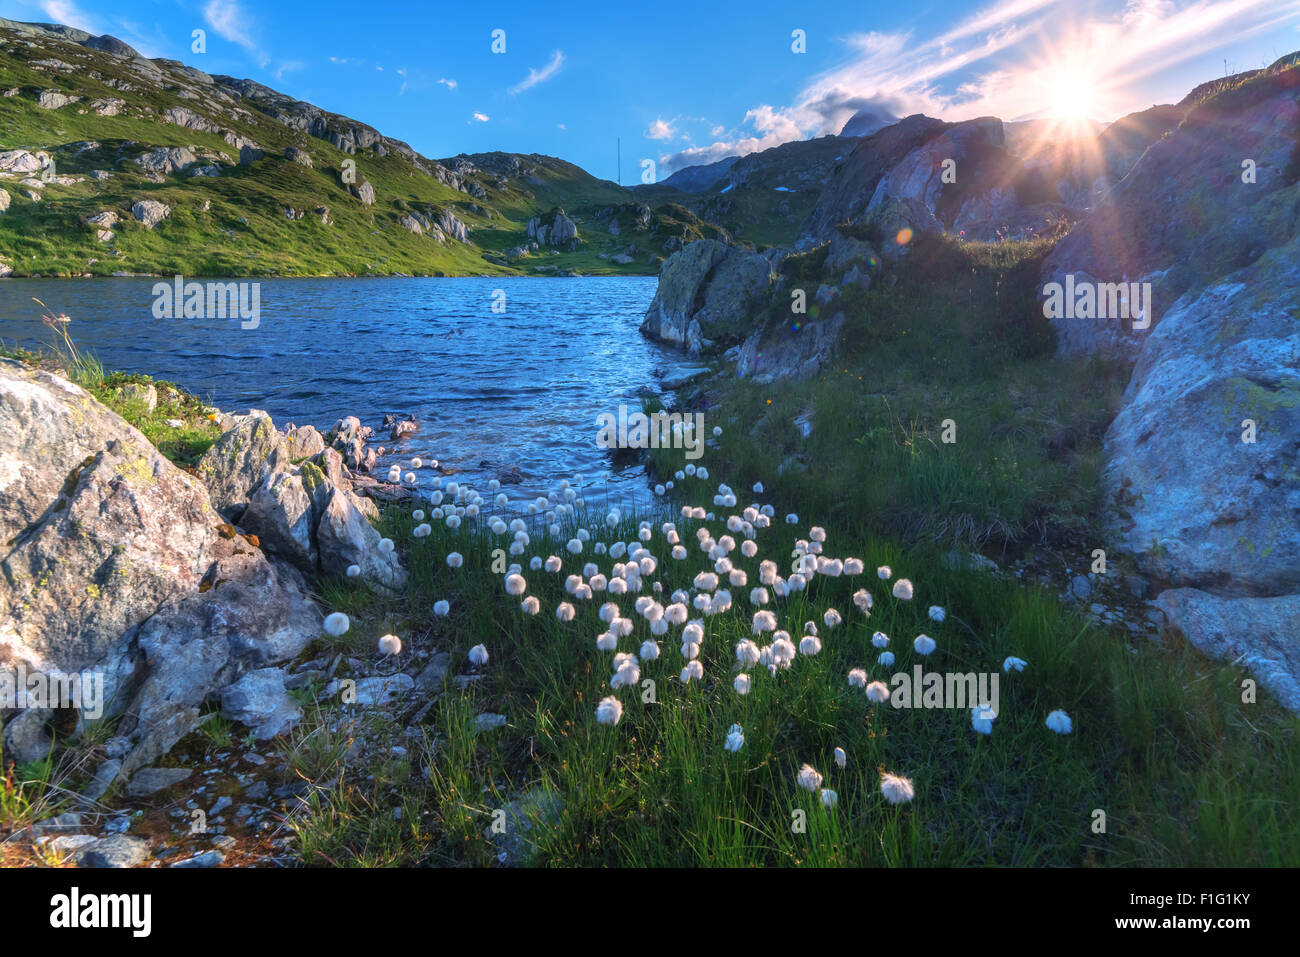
x,y
539,76
480,117
69,14
230,21
449,84
561,126
660,129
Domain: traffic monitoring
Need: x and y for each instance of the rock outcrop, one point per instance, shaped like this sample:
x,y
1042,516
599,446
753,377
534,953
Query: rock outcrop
x,y
707,297
115,563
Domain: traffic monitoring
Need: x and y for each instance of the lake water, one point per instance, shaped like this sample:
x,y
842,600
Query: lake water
x,y
520,387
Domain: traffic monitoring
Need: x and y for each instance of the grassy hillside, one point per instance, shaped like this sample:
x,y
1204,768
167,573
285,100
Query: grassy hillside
x,y
235,223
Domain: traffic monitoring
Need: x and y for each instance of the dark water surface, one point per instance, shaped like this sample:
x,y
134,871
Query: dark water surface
x,y
521,388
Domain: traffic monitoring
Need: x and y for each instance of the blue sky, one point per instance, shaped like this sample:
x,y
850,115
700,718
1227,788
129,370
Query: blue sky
x,y
692,82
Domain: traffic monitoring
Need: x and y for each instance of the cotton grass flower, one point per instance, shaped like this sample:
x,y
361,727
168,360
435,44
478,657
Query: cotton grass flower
x,y
810,645
441,608
386,546
607,641
923,644
565,612
903,589
877,692
857,678
336,624
884,573
886,659
530,605
609,710
515,585
981,718
454,560
422,530
649,650
853,566
829,799
478,655
693,671
741,684
1060,722
627,671
863,600
896,790
354,571
937,613
880,640
1014,664
764,621
841,758
808,778
390,645
831,618
735,739
783,652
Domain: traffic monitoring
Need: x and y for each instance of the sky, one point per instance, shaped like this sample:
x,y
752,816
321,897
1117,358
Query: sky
x,y
691,82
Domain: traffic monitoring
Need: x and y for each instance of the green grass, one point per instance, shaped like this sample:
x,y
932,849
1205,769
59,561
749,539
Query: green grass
x,y
1184,771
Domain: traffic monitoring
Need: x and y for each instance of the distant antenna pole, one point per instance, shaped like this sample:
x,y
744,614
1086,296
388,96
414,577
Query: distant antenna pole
x,y
620,161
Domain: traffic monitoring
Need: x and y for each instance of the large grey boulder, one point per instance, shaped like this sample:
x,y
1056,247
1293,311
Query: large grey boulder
x,y
115,563
166,160
1200,507
708,294
20,162
554,229
364,192
150,212
54,100
345,537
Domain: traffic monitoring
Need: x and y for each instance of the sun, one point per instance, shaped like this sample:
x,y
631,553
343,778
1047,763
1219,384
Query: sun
x,y
1071,97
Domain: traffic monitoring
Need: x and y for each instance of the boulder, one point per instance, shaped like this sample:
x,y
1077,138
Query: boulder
x,y
166,160
1198,506
708,295
299,156
20,162
364,192
4,200
150,212
260,701
54,100
247,452
118,564
345,537
781,352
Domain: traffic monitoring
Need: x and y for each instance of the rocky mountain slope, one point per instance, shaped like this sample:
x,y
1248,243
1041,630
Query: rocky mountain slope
x,y
1200,200
114,163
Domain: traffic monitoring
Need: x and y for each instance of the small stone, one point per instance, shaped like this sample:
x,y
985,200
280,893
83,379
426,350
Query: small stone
x,y
206,859
115,851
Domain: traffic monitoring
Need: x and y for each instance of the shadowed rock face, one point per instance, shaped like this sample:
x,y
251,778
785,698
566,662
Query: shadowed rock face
x,y
708,296
115,561
1203,459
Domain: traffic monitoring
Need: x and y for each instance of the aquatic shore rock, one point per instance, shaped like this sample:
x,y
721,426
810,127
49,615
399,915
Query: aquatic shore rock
x,y
239,461
707,296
